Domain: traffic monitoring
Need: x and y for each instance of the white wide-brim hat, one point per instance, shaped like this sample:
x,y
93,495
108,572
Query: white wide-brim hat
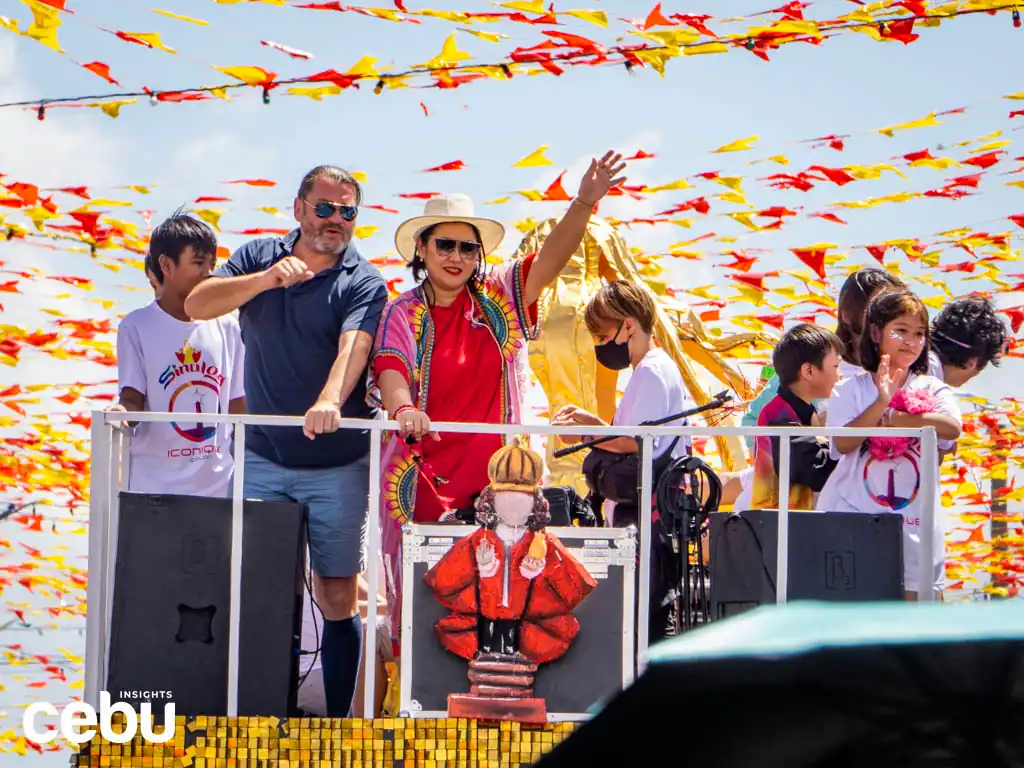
x,y
447,208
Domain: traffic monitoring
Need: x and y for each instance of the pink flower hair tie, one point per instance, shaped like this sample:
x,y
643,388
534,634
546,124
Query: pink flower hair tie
x,y
912,401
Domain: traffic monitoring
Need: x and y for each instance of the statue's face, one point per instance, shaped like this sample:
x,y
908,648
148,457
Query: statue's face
x,y
513,508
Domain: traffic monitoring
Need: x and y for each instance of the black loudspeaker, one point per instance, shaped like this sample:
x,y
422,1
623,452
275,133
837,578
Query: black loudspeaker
x,y
172,597
833,556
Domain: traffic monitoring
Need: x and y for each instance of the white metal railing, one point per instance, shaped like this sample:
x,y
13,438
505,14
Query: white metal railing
x,y
110,446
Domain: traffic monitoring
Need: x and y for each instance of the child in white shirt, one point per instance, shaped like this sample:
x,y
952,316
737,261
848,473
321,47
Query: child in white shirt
x,y
885,476
168,363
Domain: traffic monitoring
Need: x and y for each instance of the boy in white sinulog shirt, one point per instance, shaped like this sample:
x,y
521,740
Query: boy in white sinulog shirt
x,y
166,362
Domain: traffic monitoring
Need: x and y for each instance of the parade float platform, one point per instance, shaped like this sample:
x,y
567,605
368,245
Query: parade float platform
x,y
229,742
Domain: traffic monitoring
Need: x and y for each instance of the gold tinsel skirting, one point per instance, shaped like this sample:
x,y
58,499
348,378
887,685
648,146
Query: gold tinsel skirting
x,y
237,742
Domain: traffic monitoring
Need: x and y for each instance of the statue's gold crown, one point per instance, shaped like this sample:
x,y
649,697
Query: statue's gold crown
x,y
514,468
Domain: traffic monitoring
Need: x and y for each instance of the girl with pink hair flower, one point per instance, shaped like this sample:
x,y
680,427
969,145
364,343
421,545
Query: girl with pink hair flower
x,y
883,475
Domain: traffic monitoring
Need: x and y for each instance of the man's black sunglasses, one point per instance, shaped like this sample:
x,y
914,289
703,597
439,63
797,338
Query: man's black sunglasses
x,y
325,210
468,249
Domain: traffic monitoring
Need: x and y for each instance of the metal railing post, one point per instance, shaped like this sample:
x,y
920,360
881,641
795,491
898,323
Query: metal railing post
x,y
929,514
96,585
644,592
782,548
235,618
373,538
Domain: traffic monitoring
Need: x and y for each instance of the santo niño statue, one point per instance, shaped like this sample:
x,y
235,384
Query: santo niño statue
x,y
511,587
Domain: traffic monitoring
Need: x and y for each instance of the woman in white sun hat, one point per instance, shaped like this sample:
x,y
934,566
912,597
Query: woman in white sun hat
x,y
449,350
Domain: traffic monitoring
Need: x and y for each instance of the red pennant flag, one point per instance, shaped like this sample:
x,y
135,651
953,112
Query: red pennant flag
x,y
813,258
101,69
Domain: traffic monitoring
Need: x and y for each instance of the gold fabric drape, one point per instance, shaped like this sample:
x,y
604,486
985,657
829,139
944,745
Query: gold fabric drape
x,y
563,358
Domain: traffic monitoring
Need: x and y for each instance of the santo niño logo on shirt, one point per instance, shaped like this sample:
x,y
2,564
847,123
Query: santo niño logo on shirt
x,y
893,483
197,386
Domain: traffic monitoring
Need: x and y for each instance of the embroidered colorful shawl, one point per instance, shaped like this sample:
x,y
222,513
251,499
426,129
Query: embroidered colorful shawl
x,y
406,333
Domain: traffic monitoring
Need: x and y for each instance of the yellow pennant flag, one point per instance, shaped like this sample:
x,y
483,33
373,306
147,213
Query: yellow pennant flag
x,y
179,17
45,20
672,185
529,6
983,5
490,37
671,37
656,58
702,48
600,18
364,67
744,218
535,159
739,145
151,39
734,197
210,215
249,75
102,202
455,17
450,55
9,24
924,122
992,145
938,163
112,108
315,92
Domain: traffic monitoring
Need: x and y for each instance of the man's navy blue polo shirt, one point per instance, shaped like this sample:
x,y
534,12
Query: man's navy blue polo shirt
x,y
291,341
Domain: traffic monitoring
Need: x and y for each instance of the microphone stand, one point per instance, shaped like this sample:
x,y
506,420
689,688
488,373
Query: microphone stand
x,y
716,402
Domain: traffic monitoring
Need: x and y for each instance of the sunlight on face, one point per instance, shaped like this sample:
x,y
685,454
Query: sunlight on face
x,y
448,254
903,339
192,268
332,235
824,379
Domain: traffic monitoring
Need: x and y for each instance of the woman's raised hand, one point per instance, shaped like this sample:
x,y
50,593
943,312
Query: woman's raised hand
x,y
601,176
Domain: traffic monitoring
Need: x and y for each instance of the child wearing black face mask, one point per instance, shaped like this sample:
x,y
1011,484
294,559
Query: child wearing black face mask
x,y
621,317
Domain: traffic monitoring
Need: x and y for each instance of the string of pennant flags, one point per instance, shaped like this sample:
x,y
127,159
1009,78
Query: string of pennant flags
x,y
98,229
667,37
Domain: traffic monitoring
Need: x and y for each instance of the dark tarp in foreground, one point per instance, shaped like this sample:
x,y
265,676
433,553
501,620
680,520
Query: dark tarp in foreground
x,y
823,684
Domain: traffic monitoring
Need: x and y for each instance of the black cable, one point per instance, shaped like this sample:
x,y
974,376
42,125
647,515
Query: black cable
x,y
306,577
684,515
737,517
628,53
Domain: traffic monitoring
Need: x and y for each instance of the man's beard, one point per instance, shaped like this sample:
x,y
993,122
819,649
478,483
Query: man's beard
x,y
323,243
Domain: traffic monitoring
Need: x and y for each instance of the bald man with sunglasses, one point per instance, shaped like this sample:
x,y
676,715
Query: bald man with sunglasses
x,y
309,307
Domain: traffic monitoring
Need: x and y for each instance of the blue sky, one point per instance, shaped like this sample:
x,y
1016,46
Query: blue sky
x,y
847,85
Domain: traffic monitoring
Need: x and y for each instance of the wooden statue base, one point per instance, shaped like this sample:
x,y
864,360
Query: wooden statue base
x,y
501,689
491,708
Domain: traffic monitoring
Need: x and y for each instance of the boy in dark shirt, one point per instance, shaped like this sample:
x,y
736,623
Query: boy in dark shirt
x,y
806,360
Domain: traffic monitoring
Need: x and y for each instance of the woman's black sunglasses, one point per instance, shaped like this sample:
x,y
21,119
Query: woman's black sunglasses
x,y
325,210
468,249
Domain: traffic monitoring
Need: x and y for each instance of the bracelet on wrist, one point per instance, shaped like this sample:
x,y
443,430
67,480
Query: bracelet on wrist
x,y
581,201
402,409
